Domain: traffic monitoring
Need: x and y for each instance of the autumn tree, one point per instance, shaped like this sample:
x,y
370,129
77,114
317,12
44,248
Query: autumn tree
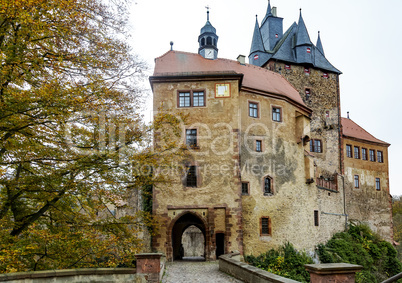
x,y
70,134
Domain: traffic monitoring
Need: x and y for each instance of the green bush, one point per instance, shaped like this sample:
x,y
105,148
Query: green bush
x,y
286,262
359,245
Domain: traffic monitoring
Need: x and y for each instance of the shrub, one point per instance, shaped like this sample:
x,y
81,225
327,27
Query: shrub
x,y
285,261
359,245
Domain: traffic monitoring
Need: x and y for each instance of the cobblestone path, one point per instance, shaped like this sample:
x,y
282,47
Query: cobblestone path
x,y
195,271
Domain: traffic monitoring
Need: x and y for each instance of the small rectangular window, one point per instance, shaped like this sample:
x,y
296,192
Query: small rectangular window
x,y
315,146
307,70
184,99
380,157
357,152
253,109
348,150
372,155
378,184
316,220
325,75
244,188
267,186
198,99
191,99
191,137
276,114
258,146
357,185
265,226
191,180
364,153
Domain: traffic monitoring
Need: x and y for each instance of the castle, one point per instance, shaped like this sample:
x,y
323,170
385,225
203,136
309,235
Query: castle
x,y
271,159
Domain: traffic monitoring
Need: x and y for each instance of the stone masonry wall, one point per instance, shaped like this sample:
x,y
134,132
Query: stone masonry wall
x,y
291,206
366,203
217,160
325,102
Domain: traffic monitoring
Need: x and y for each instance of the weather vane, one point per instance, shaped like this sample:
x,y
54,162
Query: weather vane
x,y
207,7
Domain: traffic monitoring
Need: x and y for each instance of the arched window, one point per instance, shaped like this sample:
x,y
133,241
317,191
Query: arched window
x,y
214,41
267,186
202,41
209,40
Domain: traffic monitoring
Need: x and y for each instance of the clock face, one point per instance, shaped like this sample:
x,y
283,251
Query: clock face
x,y
209,53
222,90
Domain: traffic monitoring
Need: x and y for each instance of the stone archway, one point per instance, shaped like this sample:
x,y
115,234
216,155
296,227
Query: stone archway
x,y
180,225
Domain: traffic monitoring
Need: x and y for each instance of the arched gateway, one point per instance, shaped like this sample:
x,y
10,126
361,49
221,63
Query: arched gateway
x,y
179,225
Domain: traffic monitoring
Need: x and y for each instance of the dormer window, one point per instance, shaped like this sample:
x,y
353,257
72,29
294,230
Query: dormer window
x,y
276,35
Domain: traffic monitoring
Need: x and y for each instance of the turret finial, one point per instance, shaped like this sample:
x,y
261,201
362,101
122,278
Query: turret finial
x,y
269,8
207,7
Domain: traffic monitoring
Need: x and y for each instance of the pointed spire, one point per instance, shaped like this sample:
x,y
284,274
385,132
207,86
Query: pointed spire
x,y
319,44
208,26
302,33
269,12
257,43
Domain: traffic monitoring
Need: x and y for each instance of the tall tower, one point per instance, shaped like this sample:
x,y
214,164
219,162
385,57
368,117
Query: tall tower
x,y
304,65
208,41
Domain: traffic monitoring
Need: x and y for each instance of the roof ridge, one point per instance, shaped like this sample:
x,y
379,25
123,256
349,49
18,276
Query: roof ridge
x,y
284,37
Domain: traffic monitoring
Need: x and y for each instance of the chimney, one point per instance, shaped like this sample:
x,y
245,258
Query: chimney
x,y
273,11
241,59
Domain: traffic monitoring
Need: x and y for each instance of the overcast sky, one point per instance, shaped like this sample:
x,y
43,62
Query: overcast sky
x,y
362,38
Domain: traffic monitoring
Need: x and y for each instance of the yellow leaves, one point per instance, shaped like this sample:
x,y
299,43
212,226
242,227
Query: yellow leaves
x,y
68,102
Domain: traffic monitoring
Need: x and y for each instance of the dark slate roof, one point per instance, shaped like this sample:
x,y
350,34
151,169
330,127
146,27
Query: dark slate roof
x,y
257,44
268,14
208,28
302,37
286,49
319,44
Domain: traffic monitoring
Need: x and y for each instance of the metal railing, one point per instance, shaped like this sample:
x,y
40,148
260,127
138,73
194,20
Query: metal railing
x,y
393,278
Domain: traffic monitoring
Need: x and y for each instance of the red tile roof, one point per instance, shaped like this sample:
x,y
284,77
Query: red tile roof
x,y
176,63
353,130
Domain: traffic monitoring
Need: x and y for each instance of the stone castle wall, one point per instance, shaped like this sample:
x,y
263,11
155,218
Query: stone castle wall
x,y
291,206
367,204
324,100
216,201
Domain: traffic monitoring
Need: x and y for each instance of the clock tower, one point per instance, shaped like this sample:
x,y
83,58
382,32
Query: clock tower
x,y
208,41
